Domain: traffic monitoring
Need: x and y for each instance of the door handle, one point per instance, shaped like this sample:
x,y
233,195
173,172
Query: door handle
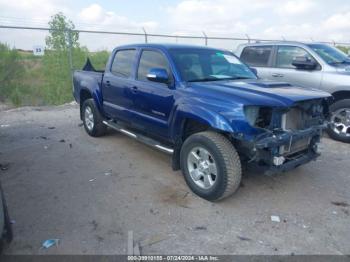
x,y
108,83
134,89
277,75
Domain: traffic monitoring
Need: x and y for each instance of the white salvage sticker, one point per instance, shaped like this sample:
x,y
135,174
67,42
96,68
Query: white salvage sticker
x,y
231,59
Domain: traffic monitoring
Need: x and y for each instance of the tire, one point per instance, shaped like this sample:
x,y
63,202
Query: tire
x,y
93,125
222,153
338,109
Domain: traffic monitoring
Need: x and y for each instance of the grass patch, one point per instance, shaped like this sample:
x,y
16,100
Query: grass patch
x,y
26,79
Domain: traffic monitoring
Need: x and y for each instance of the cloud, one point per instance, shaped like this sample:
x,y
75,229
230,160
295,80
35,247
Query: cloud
x,y
220,16
338,21
95,15
295,7
35,11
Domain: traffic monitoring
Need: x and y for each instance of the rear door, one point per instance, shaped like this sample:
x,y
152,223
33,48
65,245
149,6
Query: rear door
x,y
260,58
117,83
283,70
152,102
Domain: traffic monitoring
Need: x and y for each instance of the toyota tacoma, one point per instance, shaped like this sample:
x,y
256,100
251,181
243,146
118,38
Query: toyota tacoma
x,y
206,108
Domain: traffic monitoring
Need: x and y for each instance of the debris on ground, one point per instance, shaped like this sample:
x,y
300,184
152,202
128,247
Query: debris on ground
x,y
50,242
51,127
200,228
3,125
43,137
154,212
275,219
108,173
334,212
4,167
244,238
62,141
345,211
70,145
153,240
94,224
340,203
92,180
80,124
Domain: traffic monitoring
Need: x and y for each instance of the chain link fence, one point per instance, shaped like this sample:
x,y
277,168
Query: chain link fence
x,y
31,74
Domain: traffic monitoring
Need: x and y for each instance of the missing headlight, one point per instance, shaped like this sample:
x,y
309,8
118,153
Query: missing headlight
x,y
258,116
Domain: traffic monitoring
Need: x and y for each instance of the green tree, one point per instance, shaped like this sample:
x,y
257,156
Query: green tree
x,y
10,72
61,32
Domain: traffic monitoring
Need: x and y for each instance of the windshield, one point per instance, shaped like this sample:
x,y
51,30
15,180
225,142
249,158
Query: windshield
x,y
199,65
330,54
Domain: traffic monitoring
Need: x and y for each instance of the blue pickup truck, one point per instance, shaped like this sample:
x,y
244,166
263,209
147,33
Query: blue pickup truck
x,y
206,108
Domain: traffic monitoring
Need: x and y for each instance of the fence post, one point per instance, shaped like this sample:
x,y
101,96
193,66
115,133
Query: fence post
x,y
144,31
248,38
70,57
205,38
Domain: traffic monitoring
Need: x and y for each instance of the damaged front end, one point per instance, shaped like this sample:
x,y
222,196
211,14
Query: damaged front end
x,y
287,137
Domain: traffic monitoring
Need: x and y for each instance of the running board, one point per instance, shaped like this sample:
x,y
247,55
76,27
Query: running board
x,y
146,140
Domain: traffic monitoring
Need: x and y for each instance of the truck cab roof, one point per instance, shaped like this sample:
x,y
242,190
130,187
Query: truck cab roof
x,y
165,46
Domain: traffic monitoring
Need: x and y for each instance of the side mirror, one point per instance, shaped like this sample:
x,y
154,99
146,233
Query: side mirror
x,y
302,62
159,75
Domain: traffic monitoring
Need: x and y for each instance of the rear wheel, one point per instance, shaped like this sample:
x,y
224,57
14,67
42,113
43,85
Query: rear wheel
x,y
92,119
211,165
339,127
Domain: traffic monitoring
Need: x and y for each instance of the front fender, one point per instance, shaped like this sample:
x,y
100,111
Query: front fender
x,y
199,114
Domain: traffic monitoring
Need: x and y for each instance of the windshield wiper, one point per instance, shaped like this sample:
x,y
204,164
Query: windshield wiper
x,y
204,79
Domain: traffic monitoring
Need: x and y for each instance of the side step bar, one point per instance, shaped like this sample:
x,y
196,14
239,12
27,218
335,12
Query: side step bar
x,y
146,140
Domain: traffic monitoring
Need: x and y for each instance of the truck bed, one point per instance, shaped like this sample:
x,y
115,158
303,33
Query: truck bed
x,y
82,79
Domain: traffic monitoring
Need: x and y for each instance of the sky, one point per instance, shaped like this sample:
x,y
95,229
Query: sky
x,y
308,20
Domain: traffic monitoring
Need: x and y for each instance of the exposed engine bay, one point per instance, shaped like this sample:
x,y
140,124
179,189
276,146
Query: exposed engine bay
x,y
288,137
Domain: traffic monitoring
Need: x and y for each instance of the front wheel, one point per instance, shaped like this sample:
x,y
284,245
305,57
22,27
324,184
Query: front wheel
x,y
339,127
211,165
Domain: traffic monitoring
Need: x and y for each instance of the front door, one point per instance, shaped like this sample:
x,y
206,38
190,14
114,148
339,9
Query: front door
x,y
284,71
152,102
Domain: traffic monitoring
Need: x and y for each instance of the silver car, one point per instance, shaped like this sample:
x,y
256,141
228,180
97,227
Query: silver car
x,y
309,65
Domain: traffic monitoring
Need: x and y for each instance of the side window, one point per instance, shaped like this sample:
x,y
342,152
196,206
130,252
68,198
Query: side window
x,y
151,59
286,55
123,62
256,55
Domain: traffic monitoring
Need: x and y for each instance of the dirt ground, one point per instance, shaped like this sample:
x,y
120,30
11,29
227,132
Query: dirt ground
x,y
91,193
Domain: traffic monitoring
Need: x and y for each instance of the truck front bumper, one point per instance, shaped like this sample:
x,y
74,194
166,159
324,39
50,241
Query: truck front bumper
x,y
277,152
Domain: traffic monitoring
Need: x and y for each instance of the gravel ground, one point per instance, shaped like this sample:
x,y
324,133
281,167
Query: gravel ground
x,y
90,192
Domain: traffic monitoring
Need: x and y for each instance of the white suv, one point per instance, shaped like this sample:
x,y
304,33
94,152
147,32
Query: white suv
x,y
309,65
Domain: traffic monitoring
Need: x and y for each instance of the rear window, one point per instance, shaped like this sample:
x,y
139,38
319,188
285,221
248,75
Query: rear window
x,y
123,62
256,55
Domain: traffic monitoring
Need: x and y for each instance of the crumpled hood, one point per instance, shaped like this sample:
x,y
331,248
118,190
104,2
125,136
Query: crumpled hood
x,y
257,92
